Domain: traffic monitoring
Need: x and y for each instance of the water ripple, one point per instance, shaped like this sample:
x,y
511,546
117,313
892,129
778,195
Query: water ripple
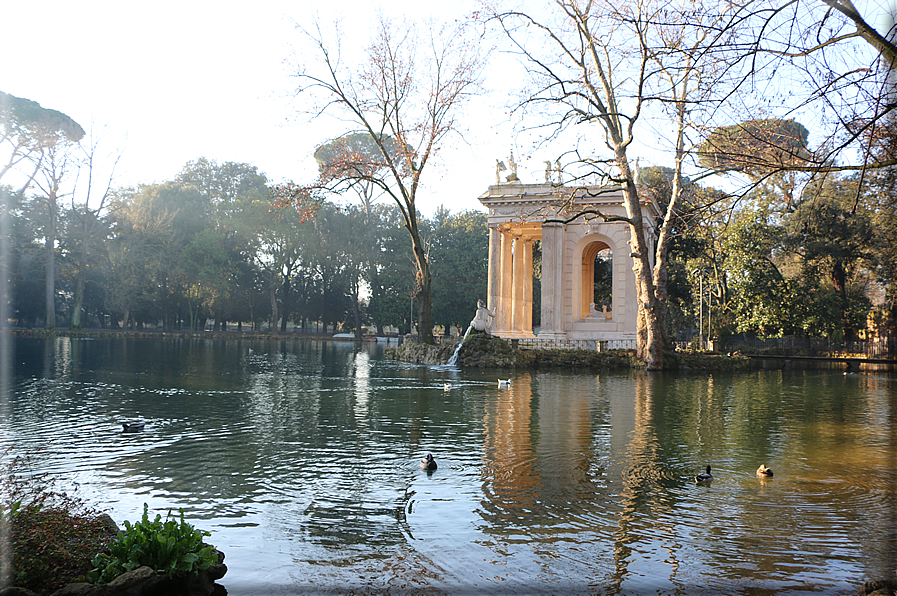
x,y
308,475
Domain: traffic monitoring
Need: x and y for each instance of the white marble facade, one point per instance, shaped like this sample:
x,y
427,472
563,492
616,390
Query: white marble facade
x,y
519,215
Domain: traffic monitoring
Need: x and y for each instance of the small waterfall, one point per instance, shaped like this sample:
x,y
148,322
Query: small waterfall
x,y
454,359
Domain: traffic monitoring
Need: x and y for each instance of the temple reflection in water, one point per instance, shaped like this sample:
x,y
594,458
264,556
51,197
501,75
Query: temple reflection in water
x,y
615,457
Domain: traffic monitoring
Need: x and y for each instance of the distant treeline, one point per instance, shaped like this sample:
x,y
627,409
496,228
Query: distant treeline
x,y
211,248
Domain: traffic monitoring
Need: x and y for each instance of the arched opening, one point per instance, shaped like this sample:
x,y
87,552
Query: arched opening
x,y
597,281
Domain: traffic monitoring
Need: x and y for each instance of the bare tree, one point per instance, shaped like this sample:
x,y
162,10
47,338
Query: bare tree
x,y
405,97
88,215
833,62
600,63
55,165
690,80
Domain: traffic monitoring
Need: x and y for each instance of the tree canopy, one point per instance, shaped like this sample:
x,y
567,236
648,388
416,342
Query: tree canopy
x,y
359,155
755,147
44,126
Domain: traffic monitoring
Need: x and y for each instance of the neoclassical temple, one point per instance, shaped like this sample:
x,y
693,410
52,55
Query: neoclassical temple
x,y
519,215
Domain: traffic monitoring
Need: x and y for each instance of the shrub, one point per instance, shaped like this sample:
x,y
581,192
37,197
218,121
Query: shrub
x,y
51,536
171,547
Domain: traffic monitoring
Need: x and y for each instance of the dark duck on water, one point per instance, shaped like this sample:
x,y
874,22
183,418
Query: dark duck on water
x,y
704,476
428,463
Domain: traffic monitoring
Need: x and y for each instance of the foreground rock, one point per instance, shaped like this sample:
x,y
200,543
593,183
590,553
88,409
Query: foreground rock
x,y
144,581
887,587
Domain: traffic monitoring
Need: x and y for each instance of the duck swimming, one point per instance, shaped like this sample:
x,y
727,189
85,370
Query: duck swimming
x,y
504,383
704,476
428,463
132,427
764,472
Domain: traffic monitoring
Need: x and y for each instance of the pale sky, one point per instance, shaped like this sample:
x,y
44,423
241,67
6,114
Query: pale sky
x,y
170,82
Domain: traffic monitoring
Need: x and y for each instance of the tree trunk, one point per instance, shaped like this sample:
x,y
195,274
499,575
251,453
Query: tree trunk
x,y
78,301
50,279
661,255
356,308
425,316
650,331
839,281
285,314
273,295
86,229
424,292
376,291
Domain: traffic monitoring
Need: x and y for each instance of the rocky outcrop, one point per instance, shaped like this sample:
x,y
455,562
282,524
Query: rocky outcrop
x,y
144,581
478,351
886,587
486,351
417,353
481,350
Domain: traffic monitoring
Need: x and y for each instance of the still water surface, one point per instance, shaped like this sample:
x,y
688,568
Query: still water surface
x,y
302,460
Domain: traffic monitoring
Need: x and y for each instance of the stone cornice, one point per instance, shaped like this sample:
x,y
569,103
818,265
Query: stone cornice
x,y
537,201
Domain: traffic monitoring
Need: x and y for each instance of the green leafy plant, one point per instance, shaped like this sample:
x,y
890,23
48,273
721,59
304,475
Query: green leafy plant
x,y
171,547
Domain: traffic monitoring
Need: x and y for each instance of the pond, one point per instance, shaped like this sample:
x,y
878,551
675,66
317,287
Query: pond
x,y
302,460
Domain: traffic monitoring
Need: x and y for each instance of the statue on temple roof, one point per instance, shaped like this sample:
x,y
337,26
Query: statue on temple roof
x,y
512,177
499,168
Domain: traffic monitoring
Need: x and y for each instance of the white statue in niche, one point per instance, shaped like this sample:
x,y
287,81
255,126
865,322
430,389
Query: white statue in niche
x,y
605,312
481,321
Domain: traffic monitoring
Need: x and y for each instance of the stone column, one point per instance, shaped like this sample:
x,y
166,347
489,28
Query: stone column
x,y
494,283
528,287
517,298
552,281
504,304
